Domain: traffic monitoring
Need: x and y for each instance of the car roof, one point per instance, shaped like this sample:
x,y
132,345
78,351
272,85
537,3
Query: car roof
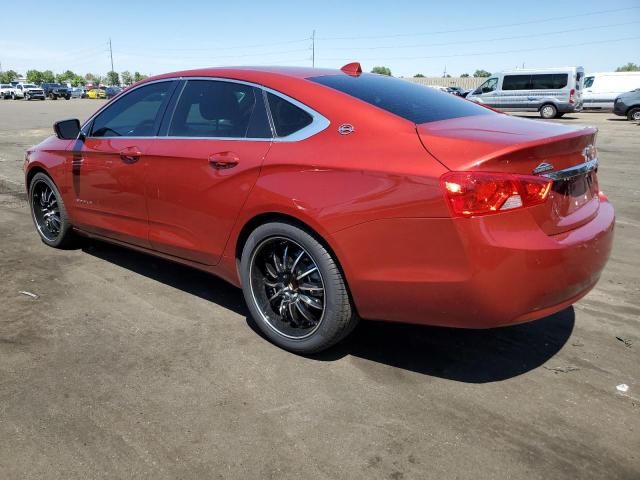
x,y
231,72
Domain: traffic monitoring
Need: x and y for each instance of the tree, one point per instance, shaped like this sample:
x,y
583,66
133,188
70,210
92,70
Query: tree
x,y
464,75
137,76
127,78
113,78
34,76
9,76
48,76
67,76
629,67
381,71
481,73
418,75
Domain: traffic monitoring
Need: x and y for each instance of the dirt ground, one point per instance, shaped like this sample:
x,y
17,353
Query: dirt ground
x,y
126,366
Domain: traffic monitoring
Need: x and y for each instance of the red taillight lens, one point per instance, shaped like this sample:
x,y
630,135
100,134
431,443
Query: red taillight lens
x,y
572,94
478,193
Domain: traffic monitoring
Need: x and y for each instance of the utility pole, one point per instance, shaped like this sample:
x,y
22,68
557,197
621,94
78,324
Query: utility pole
x,y
313,48
111,54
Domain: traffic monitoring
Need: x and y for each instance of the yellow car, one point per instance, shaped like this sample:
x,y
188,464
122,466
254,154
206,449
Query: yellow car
x,y
96,93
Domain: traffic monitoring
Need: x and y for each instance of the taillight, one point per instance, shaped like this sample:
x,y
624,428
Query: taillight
x,y
480,193
572,95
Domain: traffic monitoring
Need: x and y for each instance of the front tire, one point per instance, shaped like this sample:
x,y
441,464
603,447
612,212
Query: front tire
x,y
633,114
548,111
48,212
294,289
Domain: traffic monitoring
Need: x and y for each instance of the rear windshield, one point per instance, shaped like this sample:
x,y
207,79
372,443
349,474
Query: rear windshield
x,y
408,100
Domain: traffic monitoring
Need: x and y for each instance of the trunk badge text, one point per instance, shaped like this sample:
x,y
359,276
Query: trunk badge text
x,y
543,167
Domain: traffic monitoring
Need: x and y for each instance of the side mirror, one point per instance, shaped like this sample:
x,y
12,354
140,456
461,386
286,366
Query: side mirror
x,y
67,129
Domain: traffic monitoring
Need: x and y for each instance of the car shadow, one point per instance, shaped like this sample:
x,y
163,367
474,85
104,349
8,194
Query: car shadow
x,y
470,356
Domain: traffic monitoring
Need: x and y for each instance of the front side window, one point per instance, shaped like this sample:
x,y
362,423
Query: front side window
x,y
413,102
487,87
213,108
135,114
287,118
588,82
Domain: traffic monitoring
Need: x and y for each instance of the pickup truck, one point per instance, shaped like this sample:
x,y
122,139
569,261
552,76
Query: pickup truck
x,y
55,91
5,90
27,91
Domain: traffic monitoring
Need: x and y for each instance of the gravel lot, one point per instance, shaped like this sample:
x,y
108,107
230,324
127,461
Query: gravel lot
x,y
126,366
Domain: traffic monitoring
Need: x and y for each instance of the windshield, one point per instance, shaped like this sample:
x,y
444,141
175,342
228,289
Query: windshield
x,y
410,101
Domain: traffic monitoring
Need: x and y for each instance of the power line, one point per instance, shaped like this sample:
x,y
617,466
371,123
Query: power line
x,y
515,37
484,27
420,57
205,56
233,47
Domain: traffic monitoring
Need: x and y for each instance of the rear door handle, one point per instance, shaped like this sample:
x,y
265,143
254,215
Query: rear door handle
x,y
223,160
130,155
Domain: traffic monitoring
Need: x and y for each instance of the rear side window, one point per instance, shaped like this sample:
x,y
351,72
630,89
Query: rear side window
x,y
410,101
135,114
287,118
211,108
549,81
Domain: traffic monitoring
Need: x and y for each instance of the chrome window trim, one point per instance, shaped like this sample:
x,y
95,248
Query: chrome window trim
x,y
318,123
573,171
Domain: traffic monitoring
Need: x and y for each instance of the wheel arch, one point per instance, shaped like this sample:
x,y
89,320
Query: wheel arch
x,y
267,217
32,173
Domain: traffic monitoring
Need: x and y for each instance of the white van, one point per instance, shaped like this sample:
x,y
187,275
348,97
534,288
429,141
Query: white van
x,y
550,91
601,89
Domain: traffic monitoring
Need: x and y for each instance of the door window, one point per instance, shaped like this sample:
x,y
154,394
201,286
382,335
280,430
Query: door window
x,y
488,86
213,108
136,114
588,82
516,82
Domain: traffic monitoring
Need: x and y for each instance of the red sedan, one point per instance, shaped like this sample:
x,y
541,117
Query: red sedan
x,y
333,195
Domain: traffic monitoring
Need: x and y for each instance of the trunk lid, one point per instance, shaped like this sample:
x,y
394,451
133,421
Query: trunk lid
x,y
501,143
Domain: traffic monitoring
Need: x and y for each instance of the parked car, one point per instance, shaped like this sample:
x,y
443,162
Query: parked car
x,y
77,92
330,195
438,87
6,89
96,93
628,105
456,90
111,92
601,89
552,92
56,90
27,91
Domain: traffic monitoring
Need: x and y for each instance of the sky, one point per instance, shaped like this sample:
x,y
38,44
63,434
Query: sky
x,y
409,37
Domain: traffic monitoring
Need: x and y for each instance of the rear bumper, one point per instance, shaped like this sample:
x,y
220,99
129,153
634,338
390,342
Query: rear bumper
x,y
473,273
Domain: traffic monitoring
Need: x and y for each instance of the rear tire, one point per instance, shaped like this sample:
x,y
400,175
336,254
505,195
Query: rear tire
x,y
548,111
633,114
49,213
294,289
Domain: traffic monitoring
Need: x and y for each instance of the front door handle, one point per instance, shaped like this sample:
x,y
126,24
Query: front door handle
x,y
223,160
130,155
